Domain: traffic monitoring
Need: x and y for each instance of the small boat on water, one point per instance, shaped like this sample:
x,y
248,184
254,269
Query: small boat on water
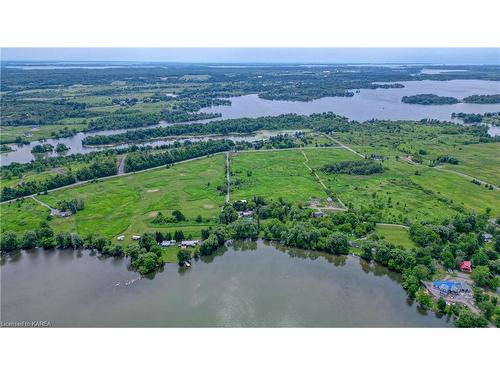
x,y
187,264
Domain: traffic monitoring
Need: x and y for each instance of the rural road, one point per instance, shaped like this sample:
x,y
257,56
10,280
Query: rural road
x,y
53,211
121,167
147,170
343,145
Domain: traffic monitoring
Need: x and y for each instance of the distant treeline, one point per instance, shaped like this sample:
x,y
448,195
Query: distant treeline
x,y
221,127
471,118
137,161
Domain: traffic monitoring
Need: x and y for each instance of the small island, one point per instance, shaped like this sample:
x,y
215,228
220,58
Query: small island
x,y
483,99
429,99
42,149
61,147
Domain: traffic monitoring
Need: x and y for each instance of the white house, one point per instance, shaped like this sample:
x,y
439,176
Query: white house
x,y
167,243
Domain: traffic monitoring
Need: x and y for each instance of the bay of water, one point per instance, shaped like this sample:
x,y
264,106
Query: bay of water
x,y
246,284
384,104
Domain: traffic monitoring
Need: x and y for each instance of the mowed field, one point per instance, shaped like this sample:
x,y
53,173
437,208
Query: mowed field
x,y
126,205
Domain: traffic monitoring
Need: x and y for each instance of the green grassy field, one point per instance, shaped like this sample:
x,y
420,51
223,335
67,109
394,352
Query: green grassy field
x,y
127,205
460,190
395,235
21,216
273,174
478,160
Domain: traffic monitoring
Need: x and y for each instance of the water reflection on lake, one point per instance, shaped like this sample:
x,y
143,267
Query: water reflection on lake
x,y
245,284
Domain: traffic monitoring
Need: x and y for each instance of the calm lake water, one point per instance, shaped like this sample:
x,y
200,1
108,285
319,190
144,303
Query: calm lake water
x,y
247,284
365,105
369,104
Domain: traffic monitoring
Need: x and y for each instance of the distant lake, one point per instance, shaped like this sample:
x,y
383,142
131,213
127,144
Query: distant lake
x,y
247,284
384,104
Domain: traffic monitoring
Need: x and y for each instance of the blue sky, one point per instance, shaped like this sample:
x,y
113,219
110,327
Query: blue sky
x,y
262,55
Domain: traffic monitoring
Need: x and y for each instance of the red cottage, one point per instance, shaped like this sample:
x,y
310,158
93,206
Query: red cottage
x,y
466,266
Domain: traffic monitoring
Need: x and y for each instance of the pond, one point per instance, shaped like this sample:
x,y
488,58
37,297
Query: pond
x,y
245,284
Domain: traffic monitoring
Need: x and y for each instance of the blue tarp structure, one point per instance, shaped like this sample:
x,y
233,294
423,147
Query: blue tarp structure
x,y
448,285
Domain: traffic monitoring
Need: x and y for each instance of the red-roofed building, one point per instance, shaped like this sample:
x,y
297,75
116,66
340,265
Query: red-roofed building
x,y
466,266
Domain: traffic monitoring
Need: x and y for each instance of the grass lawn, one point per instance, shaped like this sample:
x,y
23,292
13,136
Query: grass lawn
x,y
127,205
395,235
169,254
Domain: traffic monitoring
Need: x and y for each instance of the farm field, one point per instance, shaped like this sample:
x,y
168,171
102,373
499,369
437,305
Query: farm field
x,y
23,215
460,190
400,196
481,161
127,205
273,174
